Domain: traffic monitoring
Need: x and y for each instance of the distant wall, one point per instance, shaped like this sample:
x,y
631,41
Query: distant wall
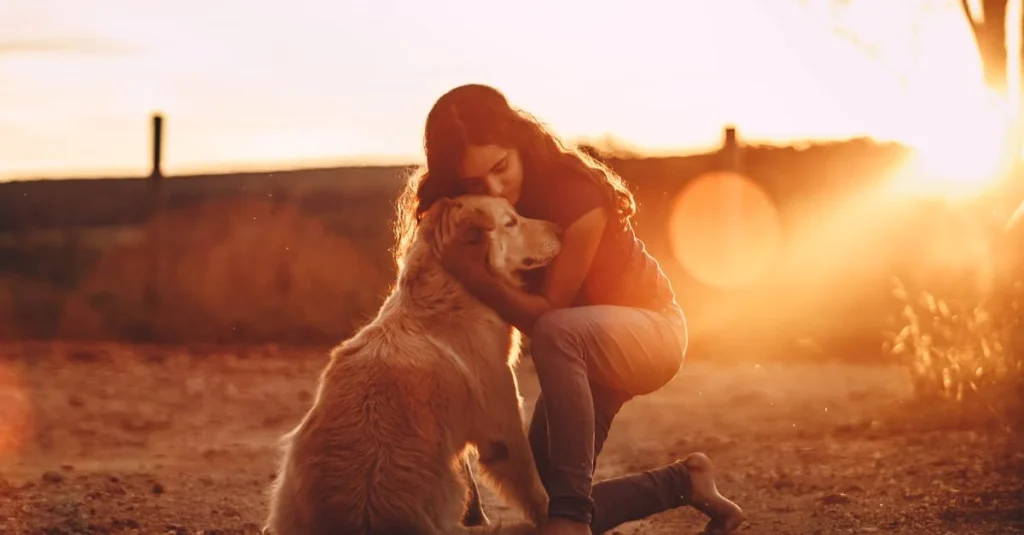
x,y
303,256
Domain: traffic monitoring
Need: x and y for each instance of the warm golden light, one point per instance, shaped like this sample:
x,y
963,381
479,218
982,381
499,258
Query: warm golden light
x,y
15,413
724,229
959,155
234,99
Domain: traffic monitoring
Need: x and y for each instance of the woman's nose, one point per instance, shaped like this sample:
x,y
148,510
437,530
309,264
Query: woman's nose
x,y
494,187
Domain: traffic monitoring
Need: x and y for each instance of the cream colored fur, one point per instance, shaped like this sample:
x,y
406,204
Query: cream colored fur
x,y
401,403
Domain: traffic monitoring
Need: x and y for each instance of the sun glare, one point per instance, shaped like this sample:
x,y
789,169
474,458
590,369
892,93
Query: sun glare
x,y
959,155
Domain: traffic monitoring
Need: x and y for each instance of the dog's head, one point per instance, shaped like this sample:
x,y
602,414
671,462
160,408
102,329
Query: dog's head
x,y
515,243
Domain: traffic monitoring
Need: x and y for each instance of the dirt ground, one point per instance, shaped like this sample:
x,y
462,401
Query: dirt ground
x,y
108,438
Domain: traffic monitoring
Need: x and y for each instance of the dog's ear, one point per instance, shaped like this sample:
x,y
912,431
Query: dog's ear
x,y
478,218
444,205
447,203
474,223
440,210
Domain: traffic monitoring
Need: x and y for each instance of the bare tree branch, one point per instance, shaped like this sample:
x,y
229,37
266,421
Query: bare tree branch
x,y
967,12
870,48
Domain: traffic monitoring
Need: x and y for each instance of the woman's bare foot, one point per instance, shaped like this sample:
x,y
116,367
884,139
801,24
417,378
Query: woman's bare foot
x,y
726,516
562,526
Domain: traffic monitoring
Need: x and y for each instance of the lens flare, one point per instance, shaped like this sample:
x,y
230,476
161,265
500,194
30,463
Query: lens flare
x,y
725,230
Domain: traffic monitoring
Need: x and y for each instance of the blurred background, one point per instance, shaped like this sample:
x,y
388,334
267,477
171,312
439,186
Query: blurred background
x,y
820,179
196,201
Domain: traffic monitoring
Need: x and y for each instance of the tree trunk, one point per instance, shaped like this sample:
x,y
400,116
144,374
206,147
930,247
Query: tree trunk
x,y
990,36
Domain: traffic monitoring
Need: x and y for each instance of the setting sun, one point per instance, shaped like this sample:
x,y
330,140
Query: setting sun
x,y
961,154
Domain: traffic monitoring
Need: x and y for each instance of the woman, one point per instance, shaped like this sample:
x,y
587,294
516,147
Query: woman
x,y
602,319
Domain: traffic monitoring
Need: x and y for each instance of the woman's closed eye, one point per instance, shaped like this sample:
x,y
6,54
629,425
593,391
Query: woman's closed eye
x,y
474,187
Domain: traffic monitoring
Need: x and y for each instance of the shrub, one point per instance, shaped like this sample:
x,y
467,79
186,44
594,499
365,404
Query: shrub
x,y
962,352
29,308
231,270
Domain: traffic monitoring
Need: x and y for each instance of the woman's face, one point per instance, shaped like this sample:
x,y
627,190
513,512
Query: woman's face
x,y
492,170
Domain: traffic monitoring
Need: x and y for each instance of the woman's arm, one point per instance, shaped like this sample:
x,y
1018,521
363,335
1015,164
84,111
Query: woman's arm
x,y
564,277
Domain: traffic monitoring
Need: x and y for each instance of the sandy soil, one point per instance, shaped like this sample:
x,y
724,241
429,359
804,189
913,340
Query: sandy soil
x,y
130,439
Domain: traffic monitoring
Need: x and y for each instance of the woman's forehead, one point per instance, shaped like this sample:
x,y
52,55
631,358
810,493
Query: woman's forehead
x,y
480,160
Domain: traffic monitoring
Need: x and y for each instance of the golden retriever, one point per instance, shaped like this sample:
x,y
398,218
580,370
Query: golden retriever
x,y
402,402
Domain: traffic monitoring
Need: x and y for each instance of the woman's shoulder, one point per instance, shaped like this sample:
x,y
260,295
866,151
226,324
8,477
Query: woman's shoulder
x,y
565,194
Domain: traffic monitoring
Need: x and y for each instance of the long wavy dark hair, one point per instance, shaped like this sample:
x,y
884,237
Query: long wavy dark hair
x,y
476,114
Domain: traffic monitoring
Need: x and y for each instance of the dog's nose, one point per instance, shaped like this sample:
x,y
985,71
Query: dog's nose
x,y
529,262
558,230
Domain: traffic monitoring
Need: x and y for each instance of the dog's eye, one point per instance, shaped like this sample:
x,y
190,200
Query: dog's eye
x,y
511,223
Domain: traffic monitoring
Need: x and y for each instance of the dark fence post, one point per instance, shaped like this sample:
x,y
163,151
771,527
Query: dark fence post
x,y
155,205
731,154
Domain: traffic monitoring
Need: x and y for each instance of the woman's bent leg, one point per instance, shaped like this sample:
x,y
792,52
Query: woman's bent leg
x,y
621,349
636,496
612,353
606,405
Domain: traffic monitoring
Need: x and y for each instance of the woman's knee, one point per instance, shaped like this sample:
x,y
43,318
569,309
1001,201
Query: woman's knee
x,y
558,334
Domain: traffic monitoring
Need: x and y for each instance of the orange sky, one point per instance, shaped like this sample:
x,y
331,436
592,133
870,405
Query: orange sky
x,y
260,85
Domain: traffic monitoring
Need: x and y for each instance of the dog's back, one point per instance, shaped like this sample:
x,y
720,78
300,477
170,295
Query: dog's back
x,y
378,439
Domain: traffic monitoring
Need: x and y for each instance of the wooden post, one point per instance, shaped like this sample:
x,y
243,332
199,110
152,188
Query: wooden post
x,y
730,152
158,131
155,204
729,157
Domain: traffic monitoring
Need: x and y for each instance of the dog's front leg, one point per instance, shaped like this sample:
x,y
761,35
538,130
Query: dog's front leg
x,y
505,454
474,515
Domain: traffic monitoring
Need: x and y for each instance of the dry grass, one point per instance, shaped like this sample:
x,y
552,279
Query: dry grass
x,y
230,270
961,352
28,307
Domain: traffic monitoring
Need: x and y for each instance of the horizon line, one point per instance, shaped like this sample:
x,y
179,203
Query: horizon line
x,y
617,148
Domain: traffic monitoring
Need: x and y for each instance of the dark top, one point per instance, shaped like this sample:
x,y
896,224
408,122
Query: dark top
x,y
623,272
